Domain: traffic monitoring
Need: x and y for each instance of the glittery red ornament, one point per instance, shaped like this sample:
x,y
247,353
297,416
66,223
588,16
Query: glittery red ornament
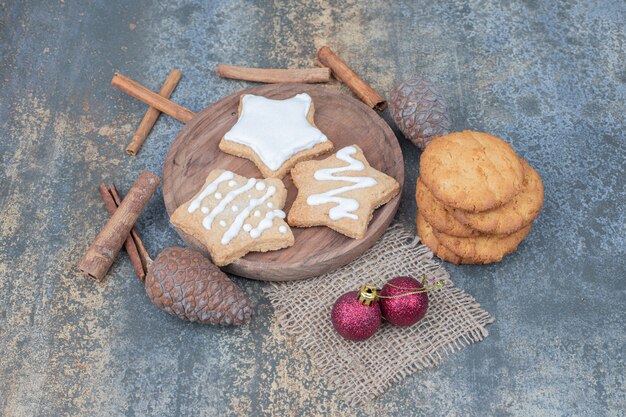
x,y
356,314
400,304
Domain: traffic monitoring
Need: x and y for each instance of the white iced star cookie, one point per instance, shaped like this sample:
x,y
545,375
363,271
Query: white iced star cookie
x,y
233,215
275,134
340,192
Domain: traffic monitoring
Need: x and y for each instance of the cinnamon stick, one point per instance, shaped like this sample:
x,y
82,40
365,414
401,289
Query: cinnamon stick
x,y
101,254
345,74
151,98
151,116
273,75
129,243
134,234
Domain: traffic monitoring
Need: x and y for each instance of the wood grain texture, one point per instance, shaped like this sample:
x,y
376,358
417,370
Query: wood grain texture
x,y
343,119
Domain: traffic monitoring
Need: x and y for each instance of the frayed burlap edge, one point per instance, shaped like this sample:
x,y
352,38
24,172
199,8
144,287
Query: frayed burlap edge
x,y
454,319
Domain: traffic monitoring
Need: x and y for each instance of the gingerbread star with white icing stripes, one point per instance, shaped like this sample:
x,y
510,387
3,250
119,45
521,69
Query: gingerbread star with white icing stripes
x,y
340,192
275,134
233,215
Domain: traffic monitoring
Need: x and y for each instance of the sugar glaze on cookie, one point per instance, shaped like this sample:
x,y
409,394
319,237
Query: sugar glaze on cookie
x,y
345,206
340,192
275,130
210,189
236,226
267,222
229,234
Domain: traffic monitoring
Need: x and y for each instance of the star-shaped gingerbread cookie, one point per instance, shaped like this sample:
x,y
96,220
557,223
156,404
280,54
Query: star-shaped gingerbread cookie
x,y
233,215
275,134
340,192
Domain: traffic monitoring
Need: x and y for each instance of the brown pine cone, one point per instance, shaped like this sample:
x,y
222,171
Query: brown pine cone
x,y
184,283
419,111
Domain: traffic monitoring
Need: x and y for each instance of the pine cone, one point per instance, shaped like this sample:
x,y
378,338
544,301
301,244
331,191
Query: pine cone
x,y
419,110
184,283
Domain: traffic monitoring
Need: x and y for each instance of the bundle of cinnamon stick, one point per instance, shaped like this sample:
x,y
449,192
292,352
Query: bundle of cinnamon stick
x,y
119,230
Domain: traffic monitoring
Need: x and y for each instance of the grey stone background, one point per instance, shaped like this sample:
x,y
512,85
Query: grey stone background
x,y
549,77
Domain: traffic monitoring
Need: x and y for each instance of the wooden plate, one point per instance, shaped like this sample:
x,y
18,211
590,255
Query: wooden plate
x,y
343,119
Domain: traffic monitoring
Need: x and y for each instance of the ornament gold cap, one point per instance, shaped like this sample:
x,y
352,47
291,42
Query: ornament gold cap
x,y
368,294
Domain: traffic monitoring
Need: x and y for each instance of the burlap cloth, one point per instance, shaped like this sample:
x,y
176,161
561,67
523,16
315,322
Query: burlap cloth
x,y
362,371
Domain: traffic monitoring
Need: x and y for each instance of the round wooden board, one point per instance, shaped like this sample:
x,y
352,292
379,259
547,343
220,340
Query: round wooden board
x,y
317,250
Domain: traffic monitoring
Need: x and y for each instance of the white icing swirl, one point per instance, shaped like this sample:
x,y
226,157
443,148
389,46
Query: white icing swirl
x,y
266,223
344,205
228,198
209,189
235,227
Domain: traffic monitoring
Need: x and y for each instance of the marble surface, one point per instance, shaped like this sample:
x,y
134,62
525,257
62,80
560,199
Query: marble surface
x,y
549,77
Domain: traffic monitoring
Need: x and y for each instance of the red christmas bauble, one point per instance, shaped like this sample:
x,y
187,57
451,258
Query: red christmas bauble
x,y
353,319
404,308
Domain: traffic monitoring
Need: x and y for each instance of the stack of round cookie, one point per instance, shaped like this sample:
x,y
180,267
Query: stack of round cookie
x,y
476,198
